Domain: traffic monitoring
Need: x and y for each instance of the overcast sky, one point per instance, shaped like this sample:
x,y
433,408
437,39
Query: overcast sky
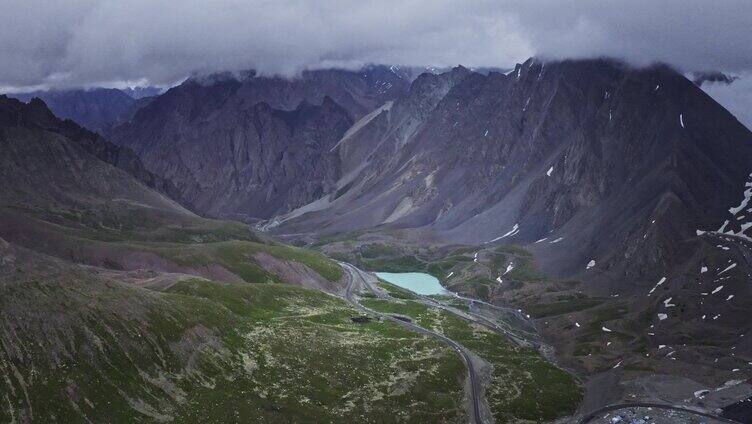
x,y
101,42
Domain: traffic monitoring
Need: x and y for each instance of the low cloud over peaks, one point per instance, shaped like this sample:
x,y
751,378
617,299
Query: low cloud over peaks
x,y
98,42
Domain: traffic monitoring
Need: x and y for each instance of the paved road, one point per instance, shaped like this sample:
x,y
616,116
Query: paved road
x,y
353,273
591,415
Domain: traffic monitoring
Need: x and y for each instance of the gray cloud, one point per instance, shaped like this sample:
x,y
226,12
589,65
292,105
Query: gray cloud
x,y
106,42
735,97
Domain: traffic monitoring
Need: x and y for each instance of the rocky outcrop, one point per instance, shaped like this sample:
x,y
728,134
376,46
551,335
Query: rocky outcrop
x,y
252,147
96,109
583,154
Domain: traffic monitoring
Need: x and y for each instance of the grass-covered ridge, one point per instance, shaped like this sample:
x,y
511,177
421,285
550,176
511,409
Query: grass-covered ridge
x,y
188,246
81,348
238,257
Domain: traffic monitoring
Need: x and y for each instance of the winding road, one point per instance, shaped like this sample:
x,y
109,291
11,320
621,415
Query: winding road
x,y
354,273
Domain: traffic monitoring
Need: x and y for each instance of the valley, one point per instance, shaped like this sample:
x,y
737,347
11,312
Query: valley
x,y
571,238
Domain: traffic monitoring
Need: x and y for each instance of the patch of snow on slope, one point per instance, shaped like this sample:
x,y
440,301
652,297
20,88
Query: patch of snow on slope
x,y
662,280
524,108
550,171
590,264
681,119
745,201
510,267
541,240
717,289
662,316
557,240
511,232
607,330
723,227
728,268
667,303
703,270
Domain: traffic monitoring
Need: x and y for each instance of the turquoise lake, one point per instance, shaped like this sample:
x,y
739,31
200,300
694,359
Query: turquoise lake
x,y
417,282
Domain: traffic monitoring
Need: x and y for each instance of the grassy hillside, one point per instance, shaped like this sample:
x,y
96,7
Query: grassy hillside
x,y
79,346
193,246
524,386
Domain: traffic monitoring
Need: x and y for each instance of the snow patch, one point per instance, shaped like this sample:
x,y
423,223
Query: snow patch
x,y
745,201
703,270
550,171
606,329
590,264
556,241
662,280
510,267
513,231
541,240
662,316
681,119
717,289
728,268
723,227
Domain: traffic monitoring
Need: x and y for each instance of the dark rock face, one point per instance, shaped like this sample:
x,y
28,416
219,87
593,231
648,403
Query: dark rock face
x,y
584,154
254,147
46,160
96,109
589,152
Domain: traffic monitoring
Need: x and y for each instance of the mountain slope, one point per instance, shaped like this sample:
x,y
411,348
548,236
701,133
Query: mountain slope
x,y
570,151
119,305
96,109
48,162
256,146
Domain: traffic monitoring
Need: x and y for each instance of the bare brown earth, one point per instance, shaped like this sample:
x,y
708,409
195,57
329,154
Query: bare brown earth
x,y
296,273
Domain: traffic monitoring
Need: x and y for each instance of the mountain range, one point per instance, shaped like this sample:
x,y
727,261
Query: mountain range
x,y
572,151
609,202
